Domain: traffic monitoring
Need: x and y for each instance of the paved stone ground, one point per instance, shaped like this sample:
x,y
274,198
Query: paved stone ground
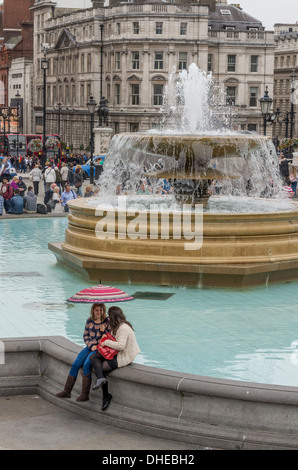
x,y
31,423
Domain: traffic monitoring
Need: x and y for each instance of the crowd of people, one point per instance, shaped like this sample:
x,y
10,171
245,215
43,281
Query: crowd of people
x,y
62,180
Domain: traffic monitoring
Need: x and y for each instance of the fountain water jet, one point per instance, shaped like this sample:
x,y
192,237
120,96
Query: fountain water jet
x,y
239,248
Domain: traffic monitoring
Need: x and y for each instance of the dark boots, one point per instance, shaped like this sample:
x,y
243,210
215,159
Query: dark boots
x,y
66,393
86,385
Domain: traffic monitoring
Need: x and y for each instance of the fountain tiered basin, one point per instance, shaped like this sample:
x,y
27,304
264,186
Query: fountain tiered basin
x,y
244,234
238,250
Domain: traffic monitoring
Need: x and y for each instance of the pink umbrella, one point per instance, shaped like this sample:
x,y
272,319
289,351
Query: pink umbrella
x,y
100,294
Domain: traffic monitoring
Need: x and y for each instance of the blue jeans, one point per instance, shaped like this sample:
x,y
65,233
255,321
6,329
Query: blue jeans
x,y
82,360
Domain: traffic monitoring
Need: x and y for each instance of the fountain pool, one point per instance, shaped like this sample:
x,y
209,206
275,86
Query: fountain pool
x,y
242,334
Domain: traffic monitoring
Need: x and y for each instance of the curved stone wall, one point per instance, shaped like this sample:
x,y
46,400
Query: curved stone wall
x,y
210,412
238,250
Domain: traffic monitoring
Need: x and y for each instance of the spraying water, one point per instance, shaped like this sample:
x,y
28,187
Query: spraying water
x,y
194,156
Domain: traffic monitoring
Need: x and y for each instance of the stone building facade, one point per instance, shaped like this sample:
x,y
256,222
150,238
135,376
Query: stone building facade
x,y
16,39
286,80
126,51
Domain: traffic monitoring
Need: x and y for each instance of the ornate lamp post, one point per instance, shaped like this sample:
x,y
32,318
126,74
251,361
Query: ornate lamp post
x,y
266,103
91,105
5,115
293,77
18,98
44,67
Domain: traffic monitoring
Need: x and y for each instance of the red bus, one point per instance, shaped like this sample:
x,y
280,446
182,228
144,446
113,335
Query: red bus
x,y
18,144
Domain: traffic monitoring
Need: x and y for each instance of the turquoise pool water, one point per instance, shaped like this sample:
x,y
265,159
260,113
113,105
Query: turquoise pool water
x,y
249,335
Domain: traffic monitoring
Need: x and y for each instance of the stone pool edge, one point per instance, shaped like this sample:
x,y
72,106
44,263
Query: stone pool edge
x,y
192,409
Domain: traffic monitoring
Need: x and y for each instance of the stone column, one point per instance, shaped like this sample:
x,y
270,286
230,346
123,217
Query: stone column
x,y
102,139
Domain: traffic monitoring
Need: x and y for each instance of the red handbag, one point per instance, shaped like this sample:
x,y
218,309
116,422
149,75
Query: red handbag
x,y
106,351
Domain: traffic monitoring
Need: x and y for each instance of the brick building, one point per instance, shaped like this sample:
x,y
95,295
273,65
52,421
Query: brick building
x,y
16,38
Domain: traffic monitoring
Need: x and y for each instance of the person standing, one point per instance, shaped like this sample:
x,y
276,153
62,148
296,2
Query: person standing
x,y
7,192
96,325
58,178
126,346
36,175
70,176
64,175
78,180
49,176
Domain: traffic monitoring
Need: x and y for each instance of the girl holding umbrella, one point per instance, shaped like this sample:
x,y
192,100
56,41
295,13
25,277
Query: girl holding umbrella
x,y
96,326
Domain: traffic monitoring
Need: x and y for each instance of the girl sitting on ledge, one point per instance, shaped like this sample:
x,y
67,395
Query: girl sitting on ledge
x,y
97,324
125,344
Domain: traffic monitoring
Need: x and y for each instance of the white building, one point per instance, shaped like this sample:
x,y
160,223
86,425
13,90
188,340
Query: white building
x,y
286,63
126,51
21,83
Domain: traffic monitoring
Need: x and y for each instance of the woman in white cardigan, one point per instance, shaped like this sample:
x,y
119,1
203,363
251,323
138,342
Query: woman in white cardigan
x,y
125,344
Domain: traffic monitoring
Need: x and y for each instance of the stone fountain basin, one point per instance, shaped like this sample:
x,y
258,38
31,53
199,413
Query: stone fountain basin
x,y
237,249
192,156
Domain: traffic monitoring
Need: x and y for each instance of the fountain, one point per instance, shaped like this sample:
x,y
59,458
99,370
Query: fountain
x,y
193,204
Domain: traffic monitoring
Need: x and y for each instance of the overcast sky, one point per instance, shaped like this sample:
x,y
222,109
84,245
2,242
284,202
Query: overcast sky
x,y
271,11
267,11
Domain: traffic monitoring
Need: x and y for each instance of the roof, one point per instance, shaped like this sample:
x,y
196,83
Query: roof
x,y
230,15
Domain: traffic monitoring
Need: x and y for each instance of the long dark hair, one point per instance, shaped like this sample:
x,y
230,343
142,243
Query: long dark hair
x,y
117,317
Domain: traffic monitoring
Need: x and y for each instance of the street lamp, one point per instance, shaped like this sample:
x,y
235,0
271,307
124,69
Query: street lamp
x,y
5,114
91,105
44,67
101,58
266,103
18,98
293,77
59,106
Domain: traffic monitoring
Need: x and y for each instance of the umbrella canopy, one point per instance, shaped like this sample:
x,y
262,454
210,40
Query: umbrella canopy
x,y
100,294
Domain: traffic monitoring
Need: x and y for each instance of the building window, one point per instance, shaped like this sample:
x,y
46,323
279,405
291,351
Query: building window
x,y
157,95
118,61
117,93
66,94
89,63
158,28
135,60
82,63
231,63
253,96
133,127
254,63
182,65
183,29
73,92
252,127
231,94
82,95
135,94
158,61
118,28
210,63
136,27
